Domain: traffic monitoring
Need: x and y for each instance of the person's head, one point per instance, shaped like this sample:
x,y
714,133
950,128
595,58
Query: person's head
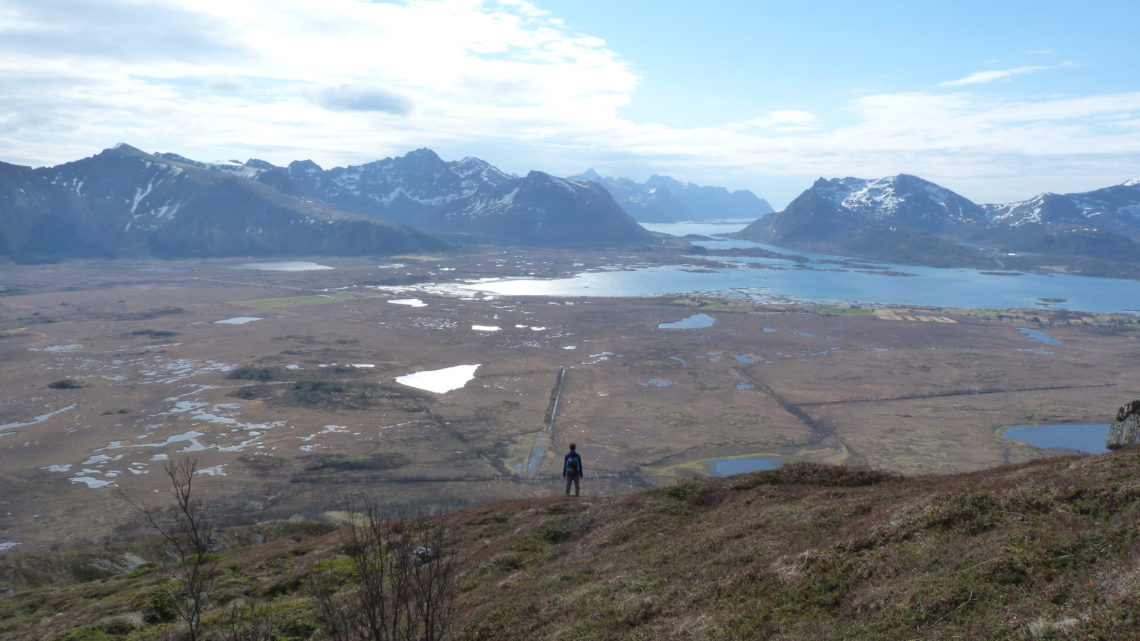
x,y
573,447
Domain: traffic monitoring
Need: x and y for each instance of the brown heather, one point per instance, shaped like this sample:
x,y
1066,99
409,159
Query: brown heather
x,y
1043,550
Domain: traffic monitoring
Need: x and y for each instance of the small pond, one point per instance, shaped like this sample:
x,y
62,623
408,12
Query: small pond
x,y
696,321
730,466
1082,437
1039,336
238,320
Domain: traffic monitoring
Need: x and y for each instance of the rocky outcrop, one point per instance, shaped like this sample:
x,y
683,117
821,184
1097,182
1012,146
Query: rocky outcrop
x,y
1126,430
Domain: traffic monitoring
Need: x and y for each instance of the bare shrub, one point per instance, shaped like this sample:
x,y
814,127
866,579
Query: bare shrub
x,y
402,583
189,537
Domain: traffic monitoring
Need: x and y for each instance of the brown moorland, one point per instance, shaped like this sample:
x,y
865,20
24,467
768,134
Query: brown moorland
x,y
1043,550
110,367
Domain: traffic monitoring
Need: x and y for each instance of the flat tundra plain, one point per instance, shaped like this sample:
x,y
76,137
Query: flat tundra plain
x,y
108,369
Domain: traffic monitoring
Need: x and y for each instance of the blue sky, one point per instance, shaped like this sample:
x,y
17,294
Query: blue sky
x,y
996,100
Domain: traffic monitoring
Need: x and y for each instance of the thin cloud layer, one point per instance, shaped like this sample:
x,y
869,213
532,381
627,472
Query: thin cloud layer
x,y
982,77
347,98
353,81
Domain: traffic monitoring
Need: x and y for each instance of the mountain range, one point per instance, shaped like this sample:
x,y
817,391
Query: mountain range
x,y
124,202
469,199
907,219
662,199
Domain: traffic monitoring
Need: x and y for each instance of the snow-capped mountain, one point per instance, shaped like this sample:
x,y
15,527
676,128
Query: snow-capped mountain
x,y
124,202
903,200
892,218
664,199
468,198
1115,209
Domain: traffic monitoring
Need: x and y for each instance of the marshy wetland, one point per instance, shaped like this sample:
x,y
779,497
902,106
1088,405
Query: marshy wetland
x,y
421,379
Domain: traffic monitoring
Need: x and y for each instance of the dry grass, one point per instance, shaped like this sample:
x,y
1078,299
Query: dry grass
x,y
1044,550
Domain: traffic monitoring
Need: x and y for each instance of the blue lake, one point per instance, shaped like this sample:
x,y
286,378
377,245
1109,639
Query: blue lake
x,y
1082,437
696,321
729,466
776,280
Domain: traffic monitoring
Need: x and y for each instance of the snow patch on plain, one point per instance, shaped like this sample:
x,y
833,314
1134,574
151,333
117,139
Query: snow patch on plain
x,y
238,320
410,302
440,381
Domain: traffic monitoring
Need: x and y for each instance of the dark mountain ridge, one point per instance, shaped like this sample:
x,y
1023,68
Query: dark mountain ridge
x,y
469,200
124,202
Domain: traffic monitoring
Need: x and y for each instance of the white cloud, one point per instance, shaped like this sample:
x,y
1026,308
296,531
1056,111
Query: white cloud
x,y
981,77
781,121
351,81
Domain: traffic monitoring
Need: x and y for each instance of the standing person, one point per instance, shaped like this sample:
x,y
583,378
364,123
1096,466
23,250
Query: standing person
x,y
572,469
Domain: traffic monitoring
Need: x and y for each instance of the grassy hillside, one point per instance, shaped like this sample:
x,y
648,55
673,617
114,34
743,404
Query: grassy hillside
x,y
1045,550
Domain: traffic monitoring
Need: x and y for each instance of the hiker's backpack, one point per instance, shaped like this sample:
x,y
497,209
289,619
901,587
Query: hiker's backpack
x,y
574,465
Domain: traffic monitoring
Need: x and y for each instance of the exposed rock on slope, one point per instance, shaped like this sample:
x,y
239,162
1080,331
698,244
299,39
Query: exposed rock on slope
x,y
1126,430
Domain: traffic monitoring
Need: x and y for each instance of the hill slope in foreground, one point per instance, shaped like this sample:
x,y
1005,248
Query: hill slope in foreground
x,y
1044,550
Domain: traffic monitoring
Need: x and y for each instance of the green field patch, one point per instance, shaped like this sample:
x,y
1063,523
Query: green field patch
x,y
716,305
293,301
846,311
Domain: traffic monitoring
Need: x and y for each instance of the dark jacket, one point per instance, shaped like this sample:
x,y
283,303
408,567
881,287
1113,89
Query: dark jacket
x,y
572,456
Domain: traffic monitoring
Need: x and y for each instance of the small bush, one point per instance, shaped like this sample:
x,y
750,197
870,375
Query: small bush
x,y
261,374
162,607
250,392
67,383
153,333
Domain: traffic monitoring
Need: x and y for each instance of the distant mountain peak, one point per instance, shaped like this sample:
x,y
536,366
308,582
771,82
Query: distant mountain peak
x,y
123,149
665,199
1135,182
423,154
305,166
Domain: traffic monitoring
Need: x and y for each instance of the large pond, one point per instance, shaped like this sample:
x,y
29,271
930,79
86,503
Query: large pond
x,y
821,280
696,321
1081,437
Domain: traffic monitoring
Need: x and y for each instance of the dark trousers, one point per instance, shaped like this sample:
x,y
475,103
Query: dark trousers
x,y
572,478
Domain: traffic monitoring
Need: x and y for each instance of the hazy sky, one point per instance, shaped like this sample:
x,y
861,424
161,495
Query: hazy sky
x,y
998,100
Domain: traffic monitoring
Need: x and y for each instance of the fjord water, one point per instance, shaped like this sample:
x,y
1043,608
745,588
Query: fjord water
x,y
821,281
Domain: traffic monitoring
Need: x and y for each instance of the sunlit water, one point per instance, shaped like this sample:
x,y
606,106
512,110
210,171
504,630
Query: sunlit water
x,y
777,280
